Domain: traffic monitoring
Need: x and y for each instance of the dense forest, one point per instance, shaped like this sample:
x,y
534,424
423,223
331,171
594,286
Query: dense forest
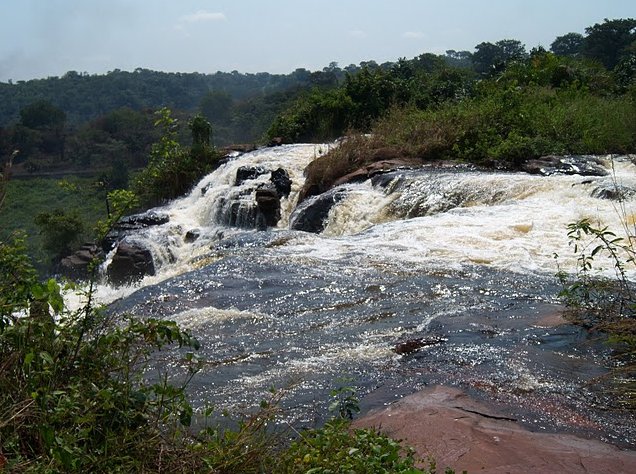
x,y
71,388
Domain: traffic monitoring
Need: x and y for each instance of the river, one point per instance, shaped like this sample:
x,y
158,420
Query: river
x,y
456,262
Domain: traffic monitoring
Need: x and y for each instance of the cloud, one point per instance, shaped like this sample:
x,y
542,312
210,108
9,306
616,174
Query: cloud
x,y
357,34
203,15
413,35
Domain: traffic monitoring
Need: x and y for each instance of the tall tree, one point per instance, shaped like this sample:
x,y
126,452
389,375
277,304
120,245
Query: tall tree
x,y
567,45
491,58
609,41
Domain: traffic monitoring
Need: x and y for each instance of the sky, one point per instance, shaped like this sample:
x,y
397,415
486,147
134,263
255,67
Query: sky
x,y
42,38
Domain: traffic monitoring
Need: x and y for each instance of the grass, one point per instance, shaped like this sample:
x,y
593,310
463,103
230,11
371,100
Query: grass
x,y
26,198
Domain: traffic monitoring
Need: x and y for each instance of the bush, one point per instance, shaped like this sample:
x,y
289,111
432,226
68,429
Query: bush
x,y
61,231
605,304
174,169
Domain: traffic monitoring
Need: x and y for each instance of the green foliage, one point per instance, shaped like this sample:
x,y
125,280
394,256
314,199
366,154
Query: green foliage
x,y
17,277
72,392
569,45
344,402
603,303
491,58
61,231
120,202
609,41
367,95
27,198
333,449
173,169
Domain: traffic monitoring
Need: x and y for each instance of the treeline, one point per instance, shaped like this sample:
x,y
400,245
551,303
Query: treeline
x,y
601,62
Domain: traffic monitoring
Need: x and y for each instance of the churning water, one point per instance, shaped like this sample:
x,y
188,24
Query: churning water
x,y
460,261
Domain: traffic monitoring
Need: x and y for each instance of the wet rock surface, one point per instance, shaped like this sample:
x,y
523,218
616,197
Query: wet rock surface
x,y
311,215
462,433
584,165
130,263
76,265
613,192
132,224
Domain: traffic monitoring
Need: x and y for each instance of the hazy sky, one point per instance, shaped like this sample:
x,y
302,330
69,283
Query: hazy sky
x,y
41,38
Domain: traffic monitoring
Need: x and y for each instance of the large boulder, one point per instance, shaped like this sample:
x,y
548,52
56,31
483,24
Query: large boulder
x,y
584,165
129,225
466,434
246,173
268,207
131,262
282,182
311,215
77,265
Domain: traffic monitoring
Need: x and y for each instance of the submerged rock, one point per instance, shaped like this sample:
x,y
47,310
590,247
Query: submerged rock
x,y
268,207
281,181
613,192
191,236
412,345
246,173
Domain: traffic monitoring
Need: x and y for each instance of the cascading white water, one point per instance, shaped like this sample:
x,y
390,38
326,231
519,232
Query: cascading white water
x,y
511,221
202,208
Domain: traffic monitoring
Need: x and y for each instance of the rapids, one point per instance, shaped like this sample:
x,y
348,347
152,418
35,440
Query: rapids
x,y
463,258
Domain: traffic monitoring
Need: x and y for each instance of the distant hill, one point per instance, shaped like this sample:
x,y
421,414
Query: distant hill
x,y
85,97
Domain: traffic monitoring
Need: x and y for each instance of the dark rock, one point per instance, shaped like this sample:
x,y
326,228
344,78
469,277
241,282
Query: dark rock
x,y
76,265
268,205
311,215
276,141
237,148
584,165
281,181
130,224
413,345
191,236
130,263
613,192
245,173
376,168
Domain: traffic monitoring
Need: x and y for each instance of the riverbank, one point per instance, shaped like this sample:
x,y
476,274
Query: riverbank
x,y
464,434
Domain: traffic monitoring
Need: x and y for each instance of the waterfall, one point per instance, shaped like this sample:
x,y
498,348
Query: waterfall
x,y
511,221
459,257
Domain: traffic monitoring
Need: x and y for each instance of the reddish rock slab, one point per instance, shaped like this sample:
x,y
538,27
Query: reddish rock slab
x,y
464,434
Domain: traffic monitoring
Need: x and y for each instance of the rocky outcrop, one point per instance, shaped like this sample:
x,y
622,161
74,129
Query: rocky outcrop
x,y
373,169
129,225
267,206
281,181
311,215
463,434
254,205
584,165
131,262
76,265
246,173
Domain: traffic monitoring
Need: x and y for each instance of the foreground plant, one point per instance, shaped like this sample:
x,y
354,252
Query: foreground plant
x,y
606,304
